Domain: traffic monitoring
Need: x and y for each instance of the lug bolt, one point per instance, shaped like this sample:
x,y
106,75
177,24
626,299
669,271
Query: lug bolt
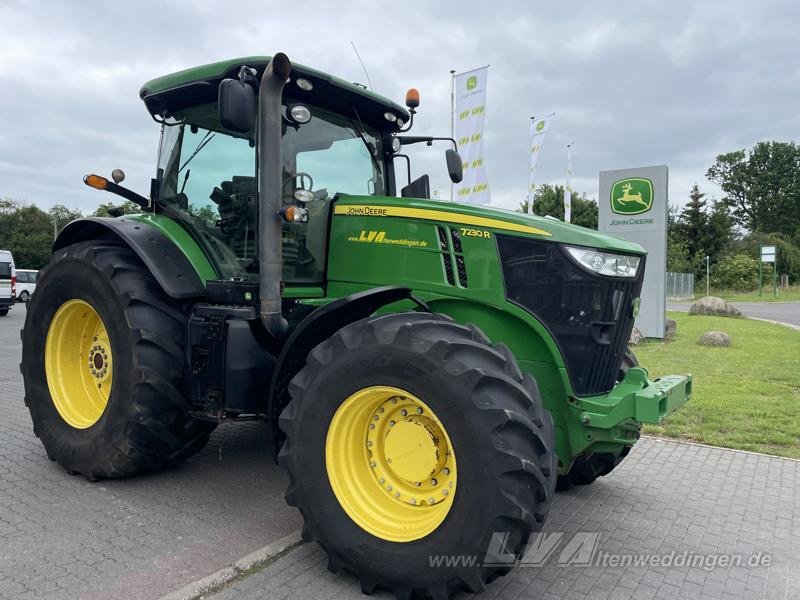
x,y
388,460
369,443
375,418
431,500
391,423
404,412
444,492
446,471
372,425
381,409
381,480
394,400
413,501
388,488
397,494
419,410
433,481
373,464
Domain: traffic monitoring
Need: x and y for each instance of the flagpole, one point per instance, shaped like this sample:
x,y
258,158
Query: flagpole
x,y
568,186
452,114
530,172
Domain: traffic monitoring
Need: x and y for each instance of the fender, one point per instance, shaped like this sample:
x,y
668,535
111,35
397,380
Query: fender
x,y
163,258
314,329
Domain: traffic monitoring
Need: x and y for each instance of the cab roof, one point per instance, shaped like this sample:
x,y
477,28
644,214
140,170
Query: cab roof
x,y
166,95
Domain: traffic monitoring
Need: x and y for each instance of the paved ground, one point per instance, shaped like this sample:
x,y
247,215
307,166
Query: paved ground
x,y
63,537
784,312
666,496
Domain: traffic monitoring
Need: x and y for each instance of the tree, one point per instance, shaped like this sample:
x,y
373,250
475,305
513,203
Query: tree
x,y
736,272
27,231
128,208
549,200
762,190
60,215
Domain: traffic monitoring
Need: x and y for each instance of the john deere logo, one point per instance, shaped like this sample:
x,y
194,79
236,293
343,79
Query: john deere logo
x,y
472,82
540,126
632,196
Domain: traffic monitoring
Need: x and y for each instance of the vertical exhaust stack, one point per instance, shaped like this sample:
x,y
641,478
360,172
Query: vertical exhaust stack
x,y
270,165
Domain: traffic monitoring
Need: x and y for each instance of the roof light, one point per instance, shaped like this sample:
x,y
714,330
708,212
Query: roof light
x,y
304,196
391,117
400,122
300,114
304,84
396,145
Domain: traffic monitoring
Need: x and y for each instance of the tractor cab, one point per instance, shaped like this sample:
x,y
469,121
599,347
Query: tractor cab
x,y
336,138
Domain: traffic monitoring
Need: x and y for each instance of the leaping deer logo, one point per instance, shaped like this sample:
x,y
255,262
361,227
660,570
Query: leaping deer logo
x,y
627,197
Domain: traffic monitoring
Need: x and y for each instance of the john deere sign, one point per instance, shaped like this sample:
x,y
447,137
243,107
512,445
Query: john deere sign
x,y
472,82
633,206
631,196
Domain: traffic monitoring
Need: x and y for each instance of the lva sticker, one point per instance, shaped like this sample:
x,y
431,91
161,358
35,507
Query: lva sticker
x,y
632,196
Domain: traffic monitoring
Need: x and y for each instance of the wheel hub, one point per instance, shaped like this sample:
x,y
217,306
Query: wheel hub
x,y
78,363
390,463
409,452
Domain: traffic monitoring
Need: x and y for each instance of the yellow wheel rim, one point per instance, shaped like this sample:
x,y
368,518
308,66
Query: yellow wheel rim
x,y
78,363
391,464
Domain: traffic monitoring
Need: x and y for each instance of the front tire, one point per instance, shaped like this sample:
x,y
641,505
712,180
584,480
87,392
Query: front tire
x,y
472,448
102,363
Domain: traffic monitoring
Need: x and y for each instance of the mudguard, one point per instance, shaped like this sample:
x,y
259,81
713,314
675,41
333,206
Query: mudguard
x,y
168,264
319,326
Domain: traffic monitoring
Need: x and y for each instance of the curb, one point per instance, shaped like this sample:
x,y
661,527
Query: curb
x,y
658,438
789,325
240,568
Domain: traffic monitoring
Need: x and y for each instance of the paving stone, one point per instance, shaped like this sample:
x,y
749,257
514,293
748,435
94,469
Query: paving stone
x,y
63,537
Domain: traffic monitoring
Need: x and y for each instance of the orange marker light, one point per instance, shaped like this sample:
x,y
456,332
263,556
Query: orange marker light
x,y
412,98
95,181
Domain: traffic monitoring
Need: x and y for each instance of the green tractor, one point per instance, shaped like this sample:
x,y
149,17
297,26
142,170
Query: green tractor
x,y
429,371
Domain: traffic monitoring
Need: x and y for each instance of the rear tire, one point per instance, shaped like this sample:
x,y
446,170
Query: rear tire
x,y
144,425
24,296
491,416
586,469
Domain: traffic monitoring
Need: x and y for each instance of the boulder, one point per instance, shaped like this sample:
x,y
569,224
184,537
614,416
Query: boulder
x,y
636,337
714,338
711,305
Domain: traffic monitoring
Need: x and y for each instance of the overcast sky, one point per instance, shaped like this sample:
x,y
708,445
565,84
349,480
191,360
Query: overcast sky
x,y
634,83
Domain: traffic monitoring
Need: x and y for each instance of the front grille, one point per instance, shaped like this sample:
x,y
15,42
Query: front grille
x,y
590,316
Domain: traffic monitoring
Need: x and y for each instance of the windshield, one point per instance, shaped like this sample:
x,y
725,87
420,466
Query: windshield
x,y
208,182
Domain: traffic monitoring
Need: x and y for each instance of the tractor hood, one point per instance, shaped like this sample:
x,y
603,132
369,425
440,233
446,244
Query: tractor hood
x,y
496,219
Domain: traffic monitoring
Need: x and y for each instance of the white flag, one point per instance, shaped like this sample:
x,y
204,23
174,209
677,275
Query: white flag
x,y
470,97
539,128
568,187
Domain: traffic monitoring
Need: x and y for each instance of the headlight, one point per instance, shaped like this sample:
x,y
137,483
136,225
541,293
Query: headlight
x,y
605,263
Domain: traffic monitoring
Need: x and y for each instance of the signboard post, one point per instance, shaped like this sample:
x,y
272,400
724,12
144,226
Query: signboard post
x,y
768,254
633,206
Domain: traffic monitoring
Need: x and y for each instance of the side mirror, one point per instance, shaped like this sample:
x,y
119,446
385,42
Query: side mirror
x,y
237,105
455,167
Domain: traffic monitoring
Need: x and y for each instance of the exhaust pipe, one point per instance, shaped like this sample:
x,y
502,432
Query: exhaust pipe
x,y
270,177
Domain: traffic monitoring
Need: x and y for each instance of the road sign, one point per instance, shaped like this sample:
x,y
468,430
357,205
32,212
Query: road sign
x,y
768,254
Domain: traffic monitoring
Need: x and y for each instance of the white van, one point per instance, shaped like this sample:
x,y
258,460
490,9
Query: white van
x,y
26,283
8,282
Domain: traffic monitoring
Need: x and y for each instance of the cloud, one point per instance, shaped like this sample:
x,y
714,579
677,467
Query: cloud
x,y
633,82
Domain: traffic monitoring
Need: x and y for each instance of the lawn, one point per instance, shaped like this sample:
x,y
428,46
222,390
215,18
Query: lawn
x,y
746,396
790,294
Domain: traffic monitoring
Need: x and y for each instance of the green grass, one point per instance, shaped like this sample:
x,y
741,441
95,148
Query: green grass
x,y
746,396
790,294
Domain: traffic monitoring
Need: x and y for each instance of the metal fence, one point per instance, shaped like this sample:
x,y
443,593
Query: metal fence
x,y
680,286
